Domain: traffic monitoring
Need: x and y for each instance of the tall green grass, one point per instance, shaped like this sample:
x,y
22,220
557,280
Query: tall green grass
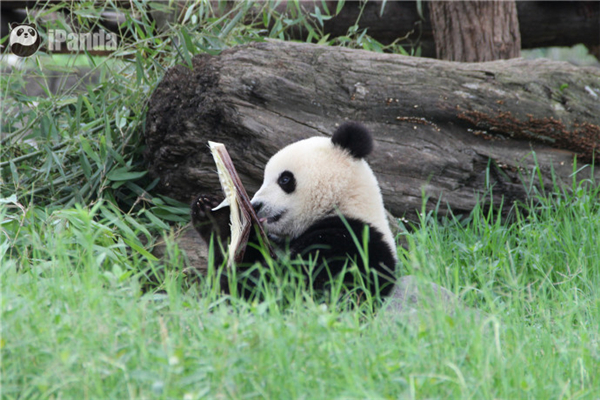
x,y
76,324
78,217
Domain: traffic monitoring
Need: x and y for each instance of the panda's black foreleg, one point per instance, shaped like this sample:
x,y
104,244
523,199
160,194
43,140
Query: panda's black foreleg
x,y
212,225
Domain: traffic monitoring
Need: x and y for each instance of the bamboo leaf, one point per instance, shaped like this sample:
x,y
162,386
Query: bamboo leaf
x,y
123,174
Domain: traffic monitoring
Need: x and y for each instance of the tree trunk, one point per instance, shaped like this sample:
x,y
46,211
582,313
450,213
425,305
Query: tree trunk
x,y
475,31
542,23
444,130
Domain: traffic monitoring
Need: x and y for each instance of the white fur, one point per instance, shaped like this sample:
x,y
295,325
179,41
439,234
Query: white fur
x,y
26,39
327,178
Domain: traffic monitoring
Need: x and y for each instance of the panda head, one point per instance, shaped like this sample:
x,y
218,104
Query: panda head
x,y
317,178
24,39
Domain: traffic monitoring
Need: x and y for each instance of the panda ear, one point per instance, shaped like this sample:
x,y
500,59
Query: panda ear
x,y
355,138
13,25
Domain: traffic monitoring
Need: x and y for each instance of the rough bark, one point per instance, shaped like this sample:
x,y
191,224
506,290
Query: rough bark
x,y
474,31
438,125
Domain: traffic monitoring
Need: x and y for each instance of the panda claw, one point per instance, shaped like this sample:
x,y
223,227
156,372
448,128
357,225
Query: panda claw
x,y
205,220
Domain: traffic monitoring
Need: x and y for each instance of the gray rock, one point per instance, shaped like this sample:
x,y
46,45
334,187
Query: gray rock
x,y
413,299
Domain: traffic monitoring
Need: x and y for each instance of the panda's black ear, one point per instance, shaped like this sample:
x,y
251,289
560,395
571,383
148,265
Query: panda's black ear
x,y
13,25
355,138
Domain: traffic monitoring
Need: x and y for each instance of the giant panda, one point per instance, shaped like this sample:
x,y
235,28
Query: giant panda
x,y
317,198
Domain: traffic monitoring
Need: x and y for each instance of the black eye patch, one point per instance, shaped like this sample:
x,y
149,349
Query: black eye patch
x,y
287,182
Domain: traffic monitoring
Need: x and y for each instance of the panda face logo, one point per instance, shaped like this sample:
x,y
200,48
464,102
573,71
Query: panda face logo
x,y
24,39
24,35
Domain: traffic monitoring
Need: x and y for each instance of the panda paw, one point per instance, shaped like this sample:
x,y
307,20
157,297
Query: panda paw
x,y
202,207
208,222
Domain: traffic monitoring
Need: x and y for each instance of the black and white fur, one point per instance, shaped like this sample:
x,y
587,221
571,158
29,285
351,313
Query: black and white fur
x,y
24,39
307,187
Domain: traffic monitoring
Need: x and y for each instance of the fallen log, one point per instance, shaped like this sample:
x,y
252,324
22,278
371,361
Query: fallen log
x,y
446,130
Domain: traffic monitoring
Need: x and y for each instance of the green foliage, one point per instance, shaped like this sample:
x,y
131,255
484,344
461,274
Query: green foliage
x,y
545,244
77,324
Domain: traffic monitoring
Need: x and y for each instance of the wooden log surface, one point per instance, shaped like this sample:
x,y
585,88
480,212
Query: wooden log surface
x,y
438,125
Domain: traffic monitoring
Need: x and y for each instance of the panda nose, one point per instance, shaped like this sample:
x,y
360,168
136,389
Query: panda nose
x,y
257,205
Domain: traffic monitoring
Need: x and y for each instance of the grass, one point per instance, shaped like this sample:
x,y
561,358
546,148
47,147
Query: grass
x,y
78,218
77,325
